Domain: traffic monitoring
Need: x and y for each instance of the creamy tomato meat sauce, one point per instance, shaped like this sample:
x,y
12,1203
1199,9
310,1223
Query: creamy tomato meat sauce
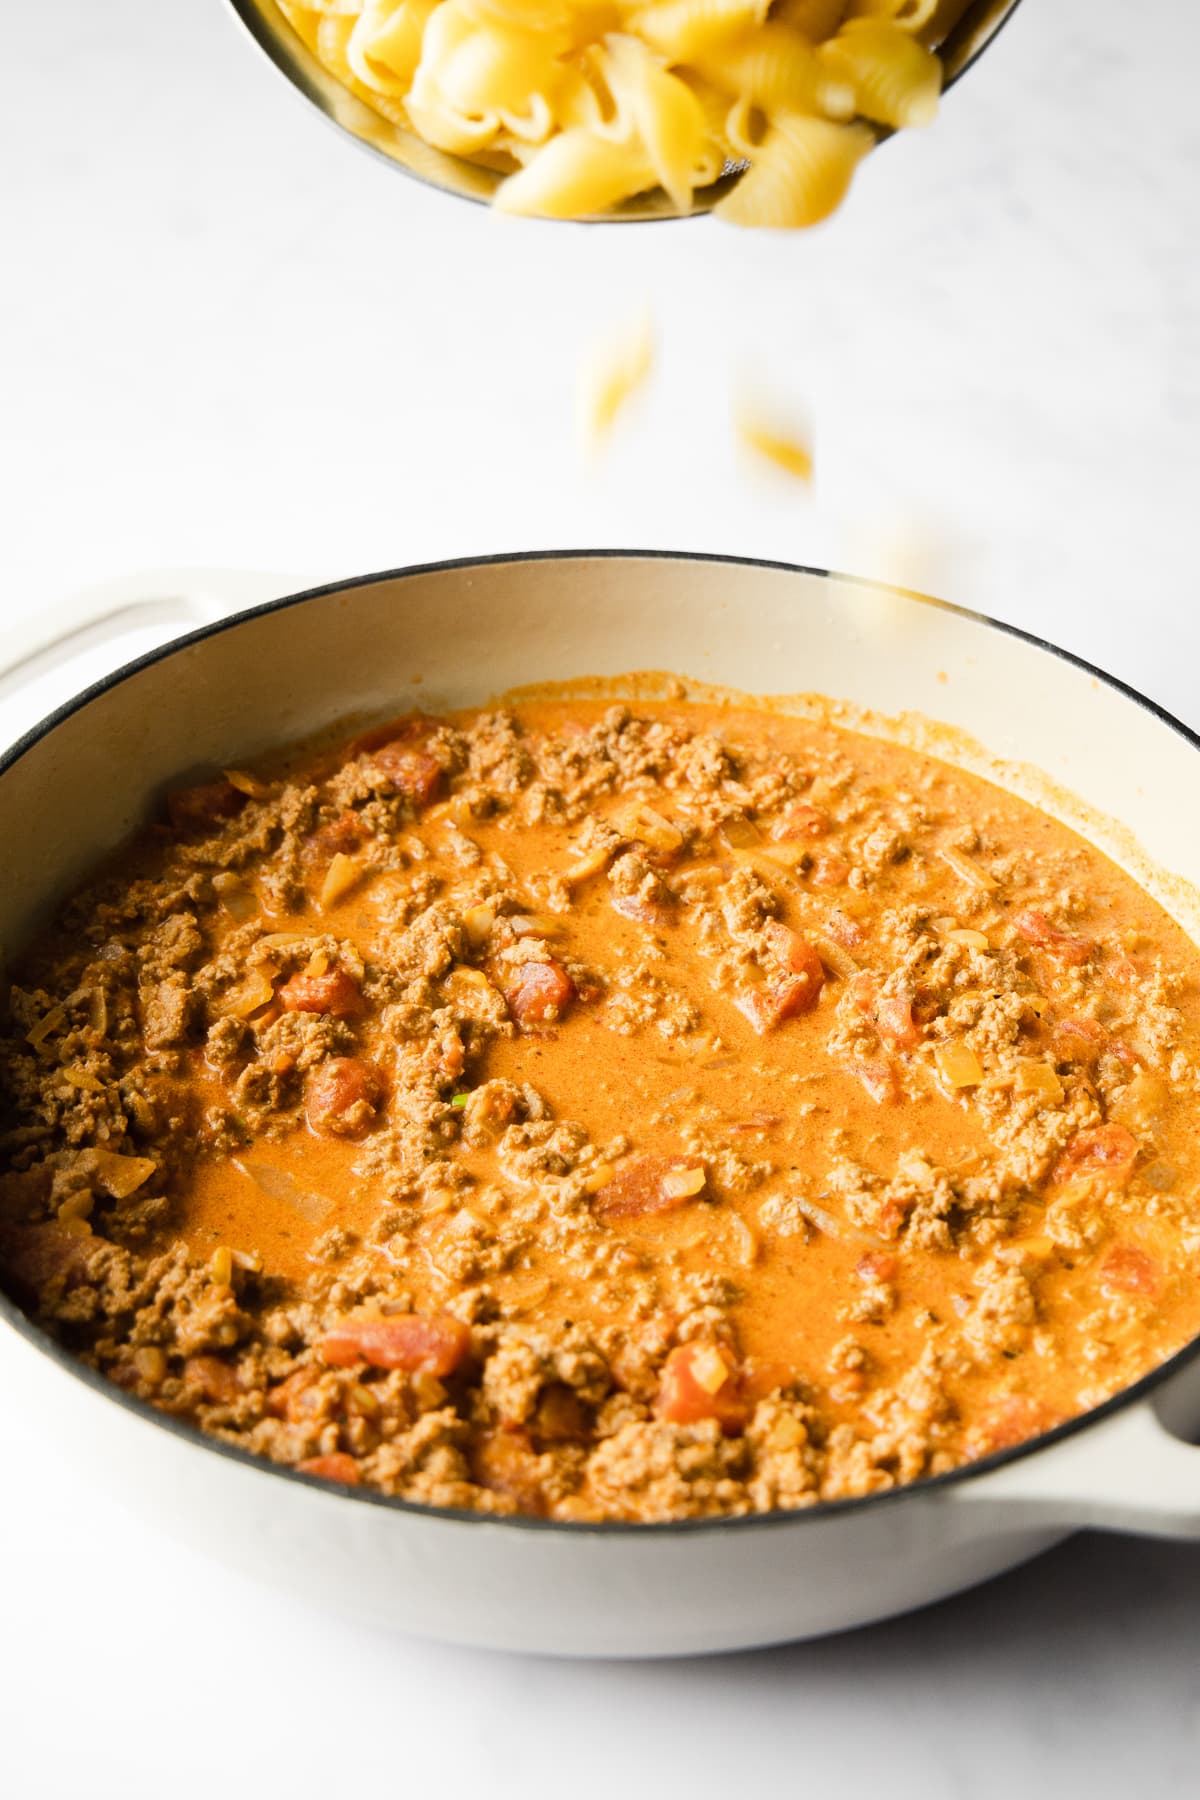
x,y
606,1111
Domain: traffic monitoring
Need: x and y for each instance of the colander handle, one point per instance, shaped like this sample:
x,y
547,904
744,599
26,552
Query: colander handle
x,y
187,597
1128,1472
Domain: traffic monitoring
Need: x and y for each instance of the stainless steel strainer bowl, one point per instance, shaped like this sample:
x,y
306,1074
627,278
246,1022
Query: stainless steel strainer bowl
x,y
977,26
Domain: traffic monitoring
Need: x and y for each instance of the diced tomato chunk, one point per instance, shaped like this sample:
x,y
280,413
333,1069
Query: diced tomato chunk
x,y
863,989
35,1256
1100,1150
876,1265
878,1078
643,911
506,1462
894,1021
561,1416
413,773
217,1381
539,993
341,835
410,1341
1079,1040
638,1187
334,992
344,1095
768,1006
896,1018
798,991
297,1398
1008,1421
202,808
1124,970
801,821
337,1466
845,930
414,728
692,1388
1036,929
830,871
797,955
1126,1270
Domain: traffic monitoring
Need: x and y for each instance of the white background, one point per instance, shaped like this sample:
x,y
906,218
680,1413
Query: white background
x,y
229,337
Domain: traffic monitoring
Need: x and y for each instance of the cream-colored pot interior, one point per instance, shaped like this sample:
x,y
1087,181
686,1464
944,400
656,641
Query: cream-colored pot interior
x,y
458,635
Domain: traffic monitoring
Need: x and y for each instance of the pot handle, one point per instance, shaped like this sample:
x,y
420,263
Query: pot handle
x,y
1127,1473
189,596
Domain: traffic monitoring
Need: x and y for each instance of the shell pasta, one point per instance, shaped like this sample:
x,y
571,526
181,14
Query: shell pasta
x,y
579,105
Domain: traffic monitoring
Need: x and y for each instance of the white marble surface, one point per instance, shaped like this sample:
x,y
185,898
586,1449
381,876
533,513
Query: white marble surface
x,y
228,337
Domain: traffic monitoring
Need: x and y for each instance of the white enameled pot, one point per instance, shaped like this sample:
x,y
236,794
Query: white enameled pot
x,y
457,634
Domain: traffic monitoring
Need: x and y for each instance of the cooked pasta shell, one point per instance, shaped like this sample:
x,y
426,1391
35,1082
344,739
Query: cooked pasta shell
x,y
333,35
302,21
384,48
612,373
576,174
664,114
896,80
909,15
554,21
682,29
715,106
745,128
786,446
816,19
799,176
775,67
490,70
534,125
448,130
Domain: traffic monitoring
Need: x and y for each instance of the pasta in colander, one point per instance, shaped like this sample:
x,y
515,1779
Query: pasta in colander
x,y
581,104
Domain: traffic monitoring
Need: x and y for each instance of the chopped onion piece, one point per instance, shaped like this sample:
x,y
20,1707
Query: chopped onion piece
x,y
745,1244
80,1078
477,923
965,867
1161,1176
239,901
974,940
454,811
959,1065
469,977
343,873
838,1229
532,925
838,961
599,1178
648,827
277,1184
1139,1102
49,1022
681,1184
787,856
119,1176
740,833
1038,1078
709,1369
590,863
470,989
256,991
247,784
